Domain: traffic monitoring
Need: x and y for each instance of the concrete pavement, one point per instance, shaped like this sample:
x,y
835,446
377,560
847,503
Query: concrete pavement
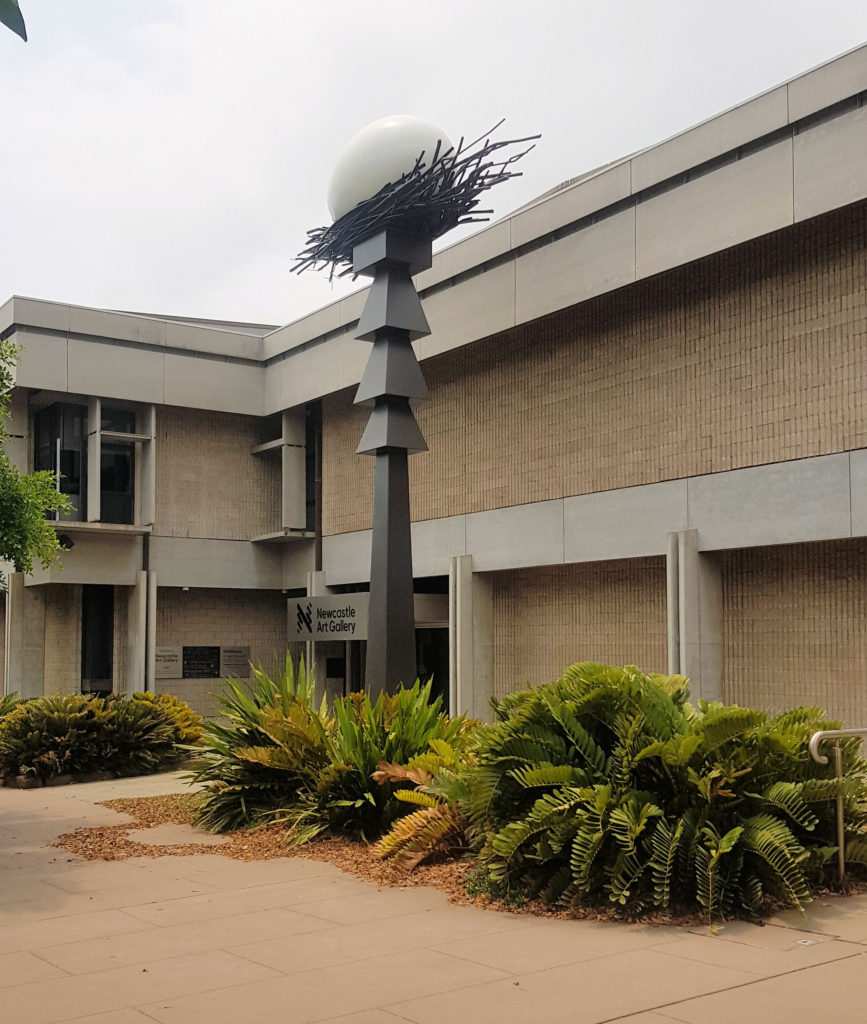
x,y
190,940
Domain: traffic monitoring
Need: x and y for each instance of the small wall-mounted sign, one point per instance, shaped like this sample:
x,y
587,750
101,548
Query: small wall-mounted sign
x,y
235,661
336,617
168,663
200,663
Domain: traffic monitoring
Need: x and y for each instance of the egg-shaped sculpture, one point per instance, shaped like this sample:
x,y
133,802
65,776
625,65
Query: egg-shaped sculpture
x,y
379,154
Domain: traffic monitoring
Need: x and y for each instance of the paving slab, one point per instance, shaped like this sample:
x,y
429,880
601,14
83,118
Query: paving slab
x,y
830,992
175,835
579,993
204,938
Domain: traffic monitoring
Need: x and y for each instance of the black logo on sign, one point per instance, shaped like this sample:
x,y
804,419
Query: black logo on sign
x,y
305,617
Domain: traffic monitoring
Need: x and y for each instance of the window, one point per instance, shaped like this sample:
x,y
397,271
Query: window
x,y
67,433
60,433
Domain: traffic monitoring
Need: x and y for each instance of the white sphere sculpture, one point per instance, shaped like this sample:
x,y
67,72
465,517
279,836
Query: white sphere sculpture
x,y
380,154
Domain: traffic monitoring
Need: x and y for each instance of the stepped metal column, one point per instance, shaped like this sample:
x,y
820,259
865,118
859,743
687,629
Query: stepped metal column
x,y
392,319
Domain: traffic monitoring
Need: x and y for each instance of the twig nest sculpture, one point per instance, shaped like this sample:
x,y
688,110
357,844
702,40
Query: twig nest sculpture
x,y
403,173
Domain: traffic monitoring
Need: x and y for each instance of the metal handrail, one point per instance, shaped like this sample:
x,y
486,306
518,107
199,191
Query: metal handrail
x,y
836,735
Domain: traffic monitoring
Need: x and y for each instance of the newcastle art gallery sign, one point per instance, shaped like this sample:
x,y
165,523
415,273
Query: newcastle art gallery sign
x,y
336,617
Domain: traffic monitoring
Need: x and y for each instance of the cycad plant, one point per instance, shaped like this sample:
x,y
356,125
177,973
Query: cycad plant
x,y
395,729
437,786
268,752
606,785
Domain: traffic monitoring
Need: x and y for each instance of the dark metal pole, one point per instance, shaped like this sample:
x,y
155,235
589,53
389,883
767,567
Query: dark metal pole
x,y
392,319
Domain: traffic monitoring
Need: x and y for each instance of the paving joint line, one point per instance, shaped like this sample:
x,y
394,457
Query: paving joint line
x,y
719,991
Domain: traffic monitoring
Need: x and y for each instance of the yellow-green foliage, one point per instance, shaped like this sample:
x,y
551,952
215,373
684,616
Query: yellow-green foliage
x,y
188,725
77,734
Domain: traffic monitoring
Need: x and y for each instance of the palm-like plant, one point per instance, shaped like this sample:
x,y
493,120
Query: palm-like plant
x,y
395,728
440,790
269,752
607,784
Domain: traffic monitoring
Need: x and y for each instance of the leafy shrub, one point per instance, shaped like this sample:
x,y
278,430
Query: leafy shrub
x,y
440,790
187,725
8,701
606,785
396,728
50,736
268,753
279,757
76,734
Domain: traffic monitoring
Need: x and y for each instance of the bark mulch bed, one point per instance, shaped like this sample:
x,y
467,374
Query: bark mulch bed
x,y
269,841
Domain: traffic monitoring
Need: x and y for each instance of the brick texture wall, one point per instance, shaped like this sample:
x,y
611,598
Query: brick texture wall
x,y
62,666
752,356
207,482
795,627
547,618
230,618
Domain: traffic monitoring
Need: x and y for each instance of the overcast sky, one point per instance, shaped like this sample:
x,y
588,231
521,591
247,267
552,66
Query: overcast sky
x,y
169,156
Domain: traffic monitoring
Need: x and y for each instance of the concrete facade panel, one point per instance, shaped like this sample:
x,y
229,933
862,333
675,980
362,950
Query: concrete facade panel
x,y
226,564
213,384
108,558
103,323
435,542
217,340
596,259
113,371
828,84
725,132
43,362
354,355
514,537
454,259
858,492
831,165
346,557
720,209
53,316
783,503
585,197
471,309
626,523
322,321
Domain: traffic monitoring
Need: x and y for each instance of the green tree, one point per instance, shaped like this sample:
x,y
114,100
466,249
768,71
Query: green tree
x,y
11,17
25,498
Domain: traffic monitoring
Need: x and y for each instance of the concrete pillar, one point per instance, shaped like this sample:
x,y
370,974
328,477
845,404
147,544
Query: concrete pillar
x,y
471,639
136,638
25,637
316,588
695,620
151,632
293,503
146,472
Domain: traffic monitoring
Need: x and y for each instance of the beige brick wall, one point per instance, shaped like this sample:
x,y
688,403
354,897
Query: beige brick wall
x,y
752,356
120,650
207,482
795,627
548,618
201,617
62,665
